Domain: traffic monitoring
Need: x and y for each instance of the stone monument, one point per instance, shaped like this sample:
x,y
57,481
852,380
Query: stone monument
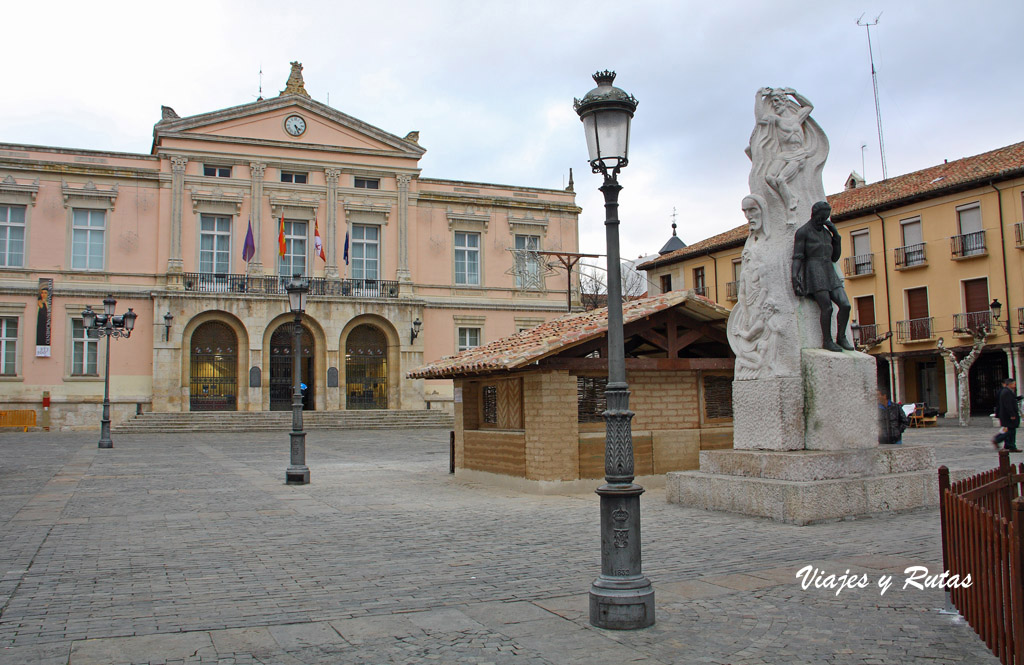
x,y
805,415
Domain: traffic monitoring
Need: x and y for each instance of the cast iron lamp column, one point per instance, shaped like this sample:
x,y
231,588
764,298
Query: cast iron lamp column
x,y
298,472
108,325
622,597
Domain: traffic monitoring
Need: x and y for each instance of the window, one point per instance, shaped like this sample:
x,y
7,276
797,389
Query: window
x,y
866,327
367,183
296,178
214,244
972,236
976,314
84,350
469,338
698,282
365,252
591,402
8,346
490,405
861,241
294,260
216,171
912,251
12,236
528,263
666,283
717,397
919,323
87,230
467,258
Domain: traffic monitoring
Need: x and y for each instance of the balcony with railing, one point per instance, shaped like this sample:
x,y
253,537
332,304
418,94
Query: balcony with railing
x,y
864,334
701,291
966,324
201,282
911,256
732,290
968,245
858,266
1018,233
1020,320
915,330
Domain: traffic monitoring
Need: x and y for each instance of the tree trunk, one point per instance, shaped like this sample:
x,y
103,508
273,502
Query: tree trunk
x,y
963,389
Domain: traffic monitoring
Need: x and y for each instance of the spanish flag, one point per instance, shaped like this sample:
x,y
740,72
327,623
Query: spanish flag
x,y
280,238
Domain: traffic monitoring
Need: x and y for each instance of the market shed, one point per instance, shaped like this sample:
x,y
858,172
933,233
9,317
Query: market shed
x,y
528,406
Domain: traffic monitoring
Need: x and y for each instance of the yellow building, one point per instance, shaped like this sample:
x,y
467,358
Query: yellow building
x,y
925,255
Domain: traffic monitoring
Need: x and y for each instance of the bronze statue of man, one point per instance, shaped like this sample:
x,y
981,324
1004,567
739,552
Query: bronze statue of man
x,y
816,248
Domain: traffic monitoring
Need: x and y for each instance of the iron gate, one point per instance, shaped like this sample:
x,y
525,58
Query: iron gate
x,y
366,369
213,373
281,364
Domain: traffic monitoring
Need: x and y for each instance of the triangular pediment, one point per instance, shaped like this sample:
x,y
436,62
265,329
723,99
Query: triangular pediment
x,y
264,122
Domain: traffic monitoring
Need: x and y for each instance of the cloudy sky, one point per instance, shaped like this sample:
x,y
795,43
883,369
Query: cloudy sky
x,y
490,83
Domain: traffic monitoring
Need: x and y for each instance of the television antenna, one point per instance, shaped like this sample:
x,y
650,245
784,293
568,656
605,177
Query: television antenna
x,y
874,82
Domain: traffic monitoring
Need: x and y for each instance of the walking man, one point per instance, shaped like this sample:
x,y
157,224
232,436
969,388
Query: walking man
x,y
1009,416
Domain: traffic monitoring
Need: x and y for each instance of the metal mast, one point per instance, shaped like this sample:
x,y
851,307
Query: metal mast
x,y
874,83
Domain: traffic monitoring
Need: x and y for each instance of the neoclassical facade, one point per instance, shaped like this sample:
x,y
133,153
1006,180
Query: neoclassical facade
x,y
167,234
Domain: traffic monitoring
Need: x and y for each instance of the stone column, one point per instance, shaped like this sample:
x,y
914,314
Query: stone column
x,y
256,170
403,227
174,262
951,391
1011,362
331,228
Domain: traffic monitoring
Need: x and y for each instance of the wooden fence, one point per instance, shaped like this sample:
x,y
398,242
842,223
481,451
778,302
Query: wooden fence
x,y
982,521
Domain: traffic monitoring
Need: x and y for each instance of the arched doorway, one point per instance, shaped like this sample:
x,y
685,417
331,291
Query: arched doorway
x,y
366,368
213,368
281,364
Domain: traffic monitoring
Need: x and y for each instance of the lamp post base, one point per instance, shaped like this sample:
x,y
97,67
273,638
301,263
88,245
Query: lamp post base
x,y
105,441
622,597
297,475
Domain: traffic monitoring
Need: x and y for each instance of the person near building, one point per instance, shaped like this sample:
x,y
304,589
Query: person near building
x,y
1008,412
892,420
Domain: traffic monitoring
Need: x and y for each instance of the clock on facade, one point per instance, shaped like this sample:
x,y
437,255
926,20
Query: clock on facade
x,y
294,125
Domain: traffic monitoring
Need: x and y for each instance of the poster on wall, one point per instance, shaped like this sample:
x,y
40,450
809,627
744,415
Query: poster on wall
x,y
44,317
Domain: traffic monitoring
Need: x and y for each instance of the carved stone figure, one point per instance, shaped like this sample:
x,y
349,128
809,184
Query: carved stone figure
x,y
785,142
816,248
753,206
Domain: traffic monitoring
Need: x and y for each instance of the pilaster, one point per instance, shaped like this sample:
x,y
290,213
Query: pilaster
x,y
331,229
178,164
952,410
256,171
403,228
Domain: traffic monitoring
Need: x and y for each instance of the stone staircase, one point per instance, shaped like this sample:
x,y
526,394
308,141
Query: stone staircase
x,y
254,421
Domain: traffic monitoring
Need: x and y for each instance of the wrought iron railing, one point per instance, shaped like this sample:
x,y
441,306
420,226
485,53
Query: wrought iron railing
x,y
910,330
275,284
864,334
732,290
1020,320
968,244
910,256
971,322
862,264
1018,232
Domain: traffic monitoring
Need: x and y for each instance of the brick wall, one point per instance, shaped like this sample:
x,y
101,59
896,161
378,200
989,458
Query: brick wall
x,y
552,433
496,452
664,400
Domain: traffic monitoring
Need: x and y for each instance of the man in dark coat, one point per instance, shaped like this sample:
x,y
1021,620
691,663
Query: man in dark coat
x,y
816,248
1009,416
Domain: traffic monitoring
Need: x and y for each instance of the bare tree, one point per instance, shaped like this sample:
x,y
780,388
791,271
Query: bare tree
x,y
594,284
962,367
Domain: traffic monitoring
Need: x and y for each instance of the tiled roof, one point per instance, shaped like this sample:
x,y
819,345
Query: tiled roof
x,y
931,182
525,347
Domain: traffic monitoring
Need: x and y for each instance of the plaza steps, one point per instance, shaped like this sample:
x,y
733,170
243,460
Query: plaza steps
x,y
278,421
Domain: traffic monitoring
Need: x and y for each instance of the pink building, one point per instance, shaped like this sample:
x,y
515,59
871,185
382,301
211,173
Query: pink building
x,y
164,233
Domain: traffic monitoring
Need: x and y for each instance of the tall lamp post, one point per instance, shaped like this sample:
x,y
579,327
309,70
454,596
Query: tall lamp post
x,y
108,325
298,472
622,597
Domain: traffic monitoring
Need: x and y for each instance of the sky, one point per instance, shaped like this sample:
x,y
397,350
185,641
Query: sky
x,y
489,84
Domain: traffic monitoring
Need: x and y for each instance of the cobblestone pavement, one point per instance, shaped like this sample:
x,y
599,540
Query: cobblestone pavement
x,y
191,549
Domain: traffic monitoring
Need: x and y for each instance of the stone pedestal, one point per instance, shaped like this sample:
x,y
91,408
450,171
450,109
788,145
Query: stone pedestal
x,y
807,486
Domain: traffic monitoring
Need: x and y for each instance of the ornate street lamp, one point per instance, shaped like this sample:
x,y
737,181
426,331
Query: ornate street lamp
x,y
108,325
415,330
298,472
622,597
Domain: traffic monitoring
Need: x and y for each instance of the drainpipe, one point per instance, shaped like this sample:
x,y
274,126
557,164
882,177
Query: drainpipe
x,y
1006,280
888,311
708,253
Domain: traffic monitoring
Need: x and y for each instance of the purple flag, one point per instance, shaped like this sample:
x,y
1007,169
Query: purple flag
x,y
346,247
249,249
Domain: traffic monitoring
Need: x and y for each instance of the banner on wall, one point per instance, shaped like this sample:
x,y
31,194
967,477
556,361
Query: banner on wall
x,y
44,318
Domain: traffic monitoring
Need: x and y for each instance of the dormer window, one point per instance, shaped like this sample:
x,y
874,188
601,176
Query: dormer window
x,y
215,171
293,177
367,183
